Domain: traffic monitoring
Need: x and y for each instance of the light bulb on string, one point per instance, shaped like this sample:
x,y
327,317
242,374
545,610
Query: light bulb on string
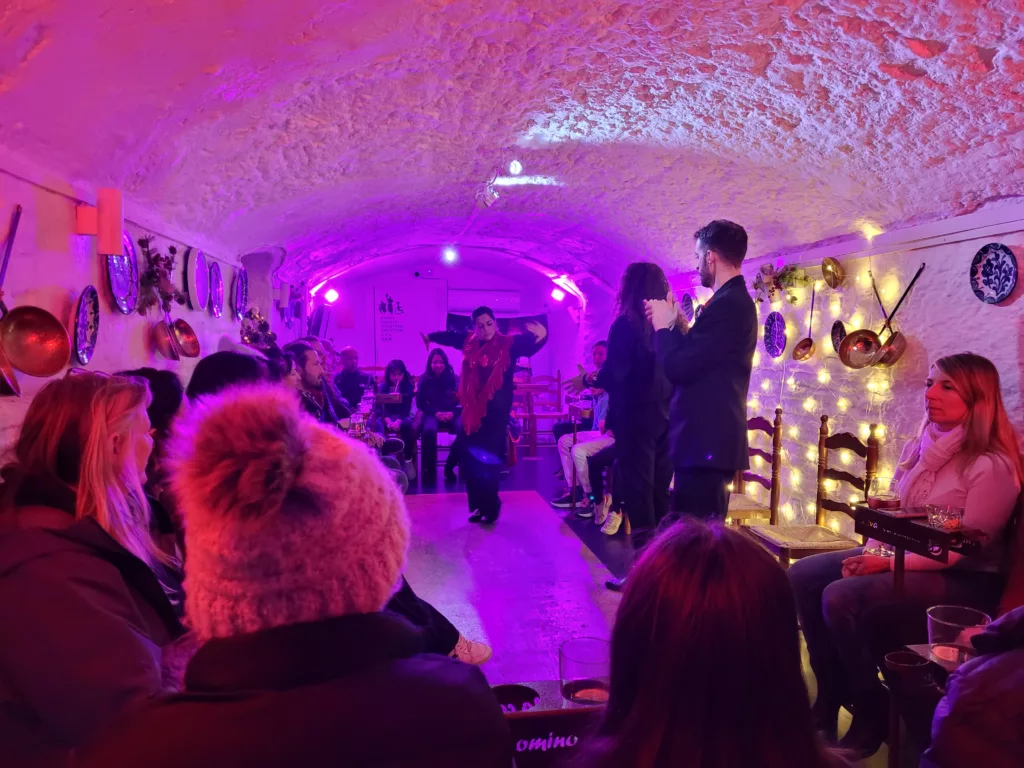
x,y
794,431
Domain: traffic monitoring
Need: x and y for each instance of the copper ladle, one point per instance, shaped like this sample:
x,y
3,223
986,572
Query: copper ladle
x,y
804,350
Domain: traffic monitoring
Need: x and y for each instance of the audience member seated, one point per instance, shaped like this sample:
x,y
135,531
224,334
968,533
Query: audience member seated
x,y
314,390
598,354
168,398
222,370
705,661
978,723
287,582
87,630
328,362
967,456
587,444
352,382
437,400
396,418
607,513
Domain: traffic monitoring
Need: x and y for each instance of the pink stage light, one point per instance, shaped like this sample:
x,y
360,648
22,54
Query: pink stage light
x,y
557,294
331,296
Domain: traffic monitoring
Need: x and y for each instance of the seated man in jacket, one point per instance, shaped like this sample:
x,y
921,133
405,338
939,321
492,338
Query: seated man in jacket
x,y
350,381
286,585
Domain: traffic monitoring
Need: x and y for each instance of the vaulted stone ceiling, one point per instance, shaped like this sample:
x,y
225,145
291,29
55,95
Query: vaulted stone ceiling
x,y
346,131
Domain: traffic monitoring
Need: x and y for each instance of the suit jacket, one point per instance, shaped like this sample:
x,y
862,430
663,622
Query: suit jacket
x,y
710,369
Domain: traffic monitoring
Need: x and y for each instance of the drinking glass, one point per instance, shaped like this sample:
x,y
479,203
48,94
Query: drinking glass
x,y
950,629
883,494
945,518
583,665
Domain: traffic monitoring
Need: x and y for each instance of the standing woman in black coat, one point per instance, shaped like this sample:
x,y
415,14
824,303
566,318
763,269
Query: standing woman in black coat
x,y
638,404
485,393
437,400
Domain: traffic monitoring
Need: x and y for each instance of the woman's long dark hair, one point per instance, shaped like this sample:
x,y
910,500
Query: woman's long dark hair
x,y
405,383
642,280
706,638
448,370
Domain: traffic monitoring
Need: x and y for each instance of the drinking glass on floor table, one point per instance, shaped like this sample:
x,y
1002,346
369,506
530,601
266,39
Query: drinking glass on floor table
x,y
950,629
583,665
945,518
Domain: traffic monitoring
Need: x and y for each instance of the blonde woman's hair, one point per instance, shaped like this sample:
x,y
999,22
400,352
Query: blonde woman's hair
x,y
987,428
66,440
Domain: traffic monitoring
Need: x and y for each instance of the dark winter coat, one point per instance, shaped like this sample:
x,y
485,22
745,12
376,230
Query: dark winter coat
x,y
979,722
349,691
436,394
86,629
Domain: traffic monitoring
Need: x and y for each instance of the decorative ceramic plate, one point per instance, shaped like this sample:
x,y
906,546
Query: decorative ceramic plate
x,y
123,272
241,301
775,334
687,305
197,275
994,273
216,290
838,334
87,324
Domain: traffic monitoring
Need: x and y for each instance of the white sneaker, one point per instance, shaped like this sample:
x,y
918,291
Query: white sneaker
x,y
611,525
601,509
470,652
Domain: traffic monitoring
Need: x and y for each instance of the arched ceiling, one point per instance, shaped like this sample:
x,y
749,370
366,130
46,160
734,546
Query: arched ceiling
x,y
342,131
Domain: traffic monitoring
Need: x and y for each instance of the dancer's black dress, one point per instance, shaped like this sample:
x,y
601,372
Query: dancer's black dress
x,y
483,446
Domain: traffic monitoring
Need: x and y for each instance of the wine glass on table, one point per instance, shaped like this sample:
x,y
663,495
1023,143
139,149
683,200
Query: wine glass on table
x,y
883,494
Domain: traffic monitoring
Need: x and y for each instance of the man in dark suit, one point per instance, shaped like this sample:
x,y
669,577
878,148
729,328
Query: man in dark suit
x,y
710,369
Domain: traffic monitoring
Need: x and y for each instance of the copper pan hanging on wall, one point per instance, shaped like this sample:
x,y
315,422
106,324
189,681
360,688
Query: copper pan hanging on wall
x,y
32,339
804,349
864,348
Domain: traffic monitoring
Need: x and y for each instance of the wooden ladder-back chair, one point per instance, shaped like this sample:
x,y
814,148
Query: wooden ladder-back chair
x,y
743,510
793,542
542,399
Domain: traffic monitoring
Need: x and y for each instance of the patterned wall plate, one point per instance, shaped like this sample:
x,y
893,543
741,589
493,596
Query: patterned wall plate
x,y
197,276
994,273
687,305
87,324
775,334
216,290
123,272
241,292
838,334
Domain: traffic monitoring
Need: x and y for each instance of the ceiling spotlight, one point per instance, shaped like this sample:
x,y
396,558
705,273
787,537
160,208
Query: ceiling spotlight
x,y
515,167
331,296
450,255
557,294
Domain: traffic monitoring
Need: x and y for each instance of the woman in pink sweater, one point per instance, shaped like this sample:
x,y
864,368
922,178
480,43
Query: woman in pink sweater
x,y
966,455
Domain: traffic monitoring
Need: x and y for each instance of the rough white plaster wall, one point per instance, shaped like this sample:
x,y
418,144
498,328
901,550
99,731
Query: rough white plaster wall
x,y
344,130
49,267
940,317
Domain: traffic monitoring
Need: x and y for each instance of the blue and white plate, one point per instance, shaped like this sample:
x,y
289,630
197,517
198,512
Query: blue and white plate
x,y
775,334
687,305
87,324
994,273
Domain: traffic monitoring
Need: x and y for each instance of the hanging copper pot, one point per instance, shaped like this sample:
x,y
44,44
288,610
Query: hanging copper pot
x,y
864,348
804,349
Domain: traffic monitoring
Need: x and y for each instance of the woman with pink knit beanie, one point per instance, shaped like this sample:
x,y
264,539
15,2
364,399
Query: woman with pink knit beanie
x,y
296,538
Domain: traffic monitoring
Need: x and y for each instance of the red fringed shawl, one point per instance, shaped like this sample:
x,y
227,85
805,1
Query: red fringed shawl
x,y
483,372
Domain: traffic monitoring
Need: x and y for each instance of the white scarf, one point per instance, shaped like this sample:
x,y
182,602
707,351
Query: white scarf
x,y
921,461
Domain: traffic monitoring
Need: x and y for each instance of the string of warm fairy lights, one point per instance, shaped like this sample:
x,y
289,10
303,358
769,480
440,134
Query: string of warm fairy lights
x,y
852,399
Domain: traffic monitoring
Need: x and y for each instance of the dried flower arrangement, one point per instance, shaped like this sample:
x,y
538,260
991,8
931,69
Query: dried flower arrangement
x,y
155,286
256,331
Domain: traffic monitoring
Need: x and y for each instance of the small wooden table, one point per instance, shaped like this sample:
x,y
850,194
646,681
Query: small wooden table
x,y
577,411
915,535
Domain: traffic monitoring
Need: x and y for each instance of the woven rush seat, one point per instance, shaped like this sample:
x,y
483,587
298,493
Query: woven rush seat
x,y
743,508
802,537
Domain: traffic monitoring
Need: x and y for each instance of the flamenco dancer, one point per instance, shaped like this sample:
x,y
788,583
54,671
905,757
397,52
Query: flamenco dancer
x,y
485,393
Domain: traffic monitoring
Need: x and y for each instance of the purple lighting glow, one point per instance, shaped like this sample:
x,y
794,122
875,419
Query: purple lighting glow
x,y
331,296
557,294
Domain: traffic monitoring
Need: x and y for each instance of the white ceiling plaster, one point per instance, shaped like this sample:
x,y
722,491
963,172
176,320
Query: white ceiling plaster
x,y
345,130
